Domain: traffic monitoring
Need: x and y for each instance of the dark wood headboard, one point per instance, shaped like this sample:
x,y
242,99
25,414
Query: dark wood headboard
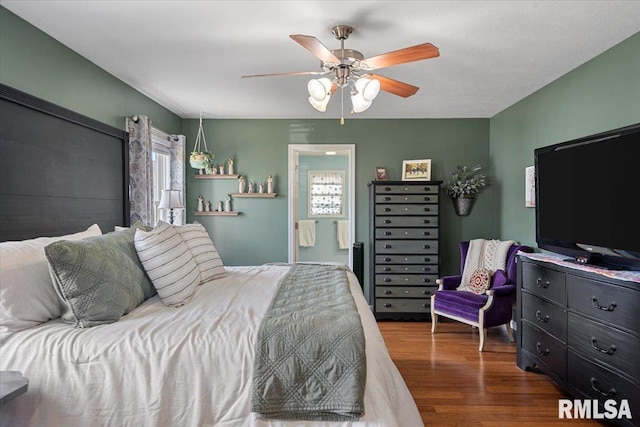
x,y
60,171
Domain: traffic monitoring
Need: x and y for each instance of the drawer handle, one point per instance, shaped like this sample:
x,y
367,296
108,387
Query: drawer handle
x,y
386,269
609,351
387,259
387,209
426,221
426,280
387,292
387,305
544,352
425,305
594,386
425,259
611,307
387,233
425,246
387,221
387,188
426,268
542,284
425,233
426,209
387,279
386,199
544,319
426,292
387,246
426,199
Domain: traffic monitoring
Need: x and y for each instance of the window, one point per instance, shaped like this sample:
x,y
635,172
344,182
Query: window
x,y
161,159
326,193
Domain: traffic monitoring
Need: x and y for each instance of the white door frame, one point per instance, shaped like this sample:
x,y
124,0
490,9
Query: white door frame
x,y
294,156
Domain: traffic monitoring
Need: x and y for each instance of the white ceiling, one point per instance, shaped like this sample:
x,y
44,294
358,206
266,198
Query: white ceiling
x,y
189,56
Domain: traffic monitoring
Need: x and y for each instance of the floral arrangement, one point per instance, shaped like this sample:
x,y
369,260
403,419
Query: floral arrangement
x,y
465,181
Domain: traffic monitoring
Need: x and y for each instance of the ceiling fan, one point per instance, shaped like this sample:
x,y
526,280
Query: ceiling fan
x,y
350,69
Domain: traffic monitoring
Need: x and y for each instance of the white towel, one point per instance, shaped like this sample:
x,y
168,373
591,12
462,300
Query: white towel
x,y
489,254
343,234
307,233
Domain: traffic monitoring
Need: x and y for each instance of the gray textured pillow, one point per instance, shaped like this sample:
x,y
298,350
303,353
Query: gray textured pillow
x,y
100,278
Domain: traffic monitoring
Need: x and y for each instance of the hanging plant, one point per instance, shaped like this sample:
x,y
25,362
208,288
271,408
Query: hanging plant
x,y
199,158
462,187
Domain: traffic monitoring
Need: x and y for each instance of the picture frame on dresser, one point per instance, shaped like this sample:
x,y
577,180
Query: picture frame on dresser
x,y
416,170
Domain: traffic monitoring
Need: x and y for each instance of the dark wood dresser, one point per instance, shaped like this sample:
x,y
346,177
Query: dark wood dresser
x,y
404,247
582,329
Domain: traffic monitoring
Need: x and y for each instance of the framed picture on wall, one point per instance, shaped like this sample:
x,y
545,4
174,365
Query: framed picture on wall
x,y
530,187
381,174
416,170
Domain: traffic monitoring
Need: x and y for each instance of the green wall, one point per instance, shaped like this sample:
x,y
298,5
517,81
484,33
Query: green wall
x,y
33,62
600,95
259,147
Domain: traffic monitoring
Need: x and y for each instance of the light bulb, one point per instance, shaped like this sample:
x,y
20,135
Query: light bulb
x,y
319,88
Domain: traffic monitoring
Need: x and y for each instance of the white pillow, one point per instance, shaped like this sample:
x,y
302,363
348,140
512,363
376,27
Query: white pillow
x,y
168,263
27,295
202,249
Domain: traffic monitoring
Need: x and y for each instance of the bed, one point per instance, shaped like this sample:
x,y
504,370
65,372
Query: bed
x,y
156,362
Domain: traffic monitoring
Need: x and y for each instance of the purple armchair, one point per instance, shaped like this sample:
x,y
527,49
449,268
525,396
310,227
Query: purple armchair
x,y
493,308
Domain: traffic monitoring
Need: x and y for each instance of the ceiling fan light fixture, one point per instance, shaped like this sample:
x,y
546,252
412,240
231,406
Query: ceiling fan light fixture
x,y
320,105
319,89
359,103
368,88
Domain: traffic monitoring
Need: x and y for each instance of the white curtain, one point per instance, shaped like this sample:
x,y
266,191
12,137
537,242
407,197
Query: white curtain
x,y
141,170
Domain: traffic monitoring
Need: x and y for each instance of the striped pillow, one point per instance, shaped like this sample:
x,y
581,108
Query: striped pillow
x,y
169,264
202,249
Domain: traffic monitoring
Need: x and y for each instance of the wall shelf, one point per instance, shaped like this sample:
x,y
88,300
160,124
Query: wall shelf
x,y
216,213
257,195
217,176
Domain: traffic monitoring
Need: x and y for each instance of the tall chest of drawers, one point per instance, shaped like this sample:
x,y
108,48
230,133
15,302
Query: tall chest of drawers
x,y
404,247
582,329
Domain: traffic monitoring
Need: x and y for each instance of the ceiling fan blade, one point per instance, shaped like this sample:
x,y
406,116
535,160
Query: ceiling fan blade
x,y
408,54
299,73
314,46
395,87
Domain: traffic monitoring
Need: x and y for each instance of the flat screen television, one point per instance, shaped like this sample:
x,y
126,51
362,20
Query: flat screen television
x,y
587,196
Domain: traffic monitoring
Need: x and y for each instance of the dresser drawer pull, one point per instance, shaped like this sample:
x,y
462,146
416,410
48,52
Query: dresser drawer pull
x,y
386,199
387,259
609,351
387,279
544,352
426,292
387,209
387,246
426,221
387,233
425,246
426,280
425,233
426,209
387,292
425,259
594,386
426,199
387,305
544,319
425,305
426,269
611,307
387,221
387,188
542,284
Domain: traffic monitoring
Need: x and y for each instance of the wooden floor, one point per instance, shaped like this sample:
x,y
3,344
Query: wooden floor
x,y
454,384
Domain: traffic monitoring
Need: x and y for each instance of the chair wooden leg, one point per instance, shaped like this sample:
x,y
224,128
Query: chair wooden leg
x,y
509,331
483,335
434,322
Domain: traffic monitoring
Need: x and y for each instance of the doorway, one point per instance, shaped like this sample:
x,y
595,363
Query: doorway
x,y
321,203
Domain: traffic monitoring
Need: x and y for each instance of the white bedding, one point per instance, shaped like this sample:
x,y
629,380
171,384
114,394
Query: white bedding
x,y
185,366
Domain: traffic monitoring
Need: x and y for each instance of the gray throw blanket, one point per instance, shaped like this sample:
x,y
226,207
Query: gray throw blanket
x,y
310,359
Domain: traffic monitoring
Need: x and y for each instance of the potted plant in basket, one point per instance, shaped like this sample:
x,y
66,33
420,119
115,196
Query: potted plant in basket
x,y
463,185
202,160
